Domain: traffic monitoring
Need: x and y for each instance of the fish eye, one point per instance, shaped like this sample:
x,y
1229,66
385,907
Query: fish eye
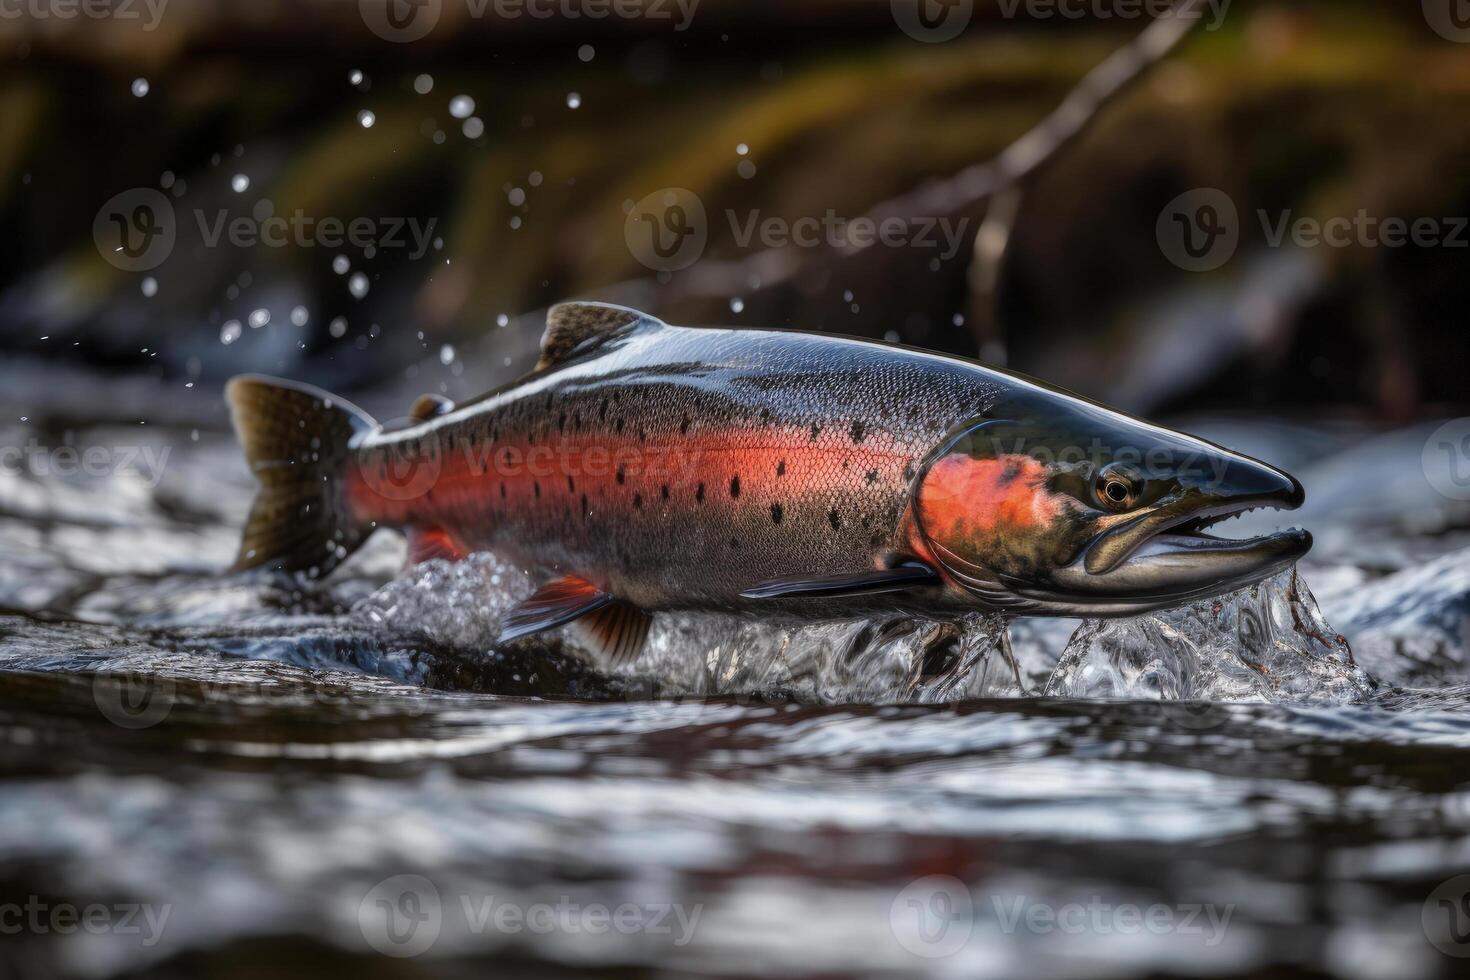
x,y
1115,489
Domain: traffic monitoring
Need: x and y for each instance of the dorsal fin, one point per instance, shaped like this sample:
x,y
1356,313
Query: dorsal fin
x,y
576,327
430,406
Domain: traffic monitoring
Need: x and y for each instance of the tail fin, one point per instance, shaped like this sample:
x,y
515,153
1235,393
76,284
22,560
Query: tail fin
x,y
296,439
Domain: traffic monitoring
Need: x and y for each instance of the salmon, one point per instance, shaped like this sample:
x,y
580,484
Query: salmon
x,y
643,467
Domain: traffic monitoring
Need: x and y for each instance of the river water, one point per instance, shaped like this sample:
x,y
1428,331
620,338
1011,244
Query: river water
x,y
205,766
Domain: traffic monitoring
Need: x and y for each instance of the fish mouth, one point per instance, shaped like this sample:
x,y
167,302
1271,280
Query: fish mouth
x,y
1165,558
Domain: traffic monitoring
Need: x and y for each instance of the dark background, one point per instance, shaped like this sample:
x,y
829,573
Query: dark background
x,y
1322,108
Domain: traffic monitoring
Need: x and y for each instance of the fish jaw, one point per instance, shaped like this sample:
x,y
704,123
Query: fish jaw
x,y
1164,558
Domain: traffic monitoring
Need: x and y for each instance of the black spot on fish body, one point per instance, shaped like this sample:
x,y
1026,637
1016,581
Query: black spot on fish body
x,y
735,486
561,422
908,472
776,513
684,426
858,431
502,489
663,491
637,501
872,476
699,494
781,468
618,425
536,486
571,484
816,431
734,543
585,511
834,519
1008,475
622,476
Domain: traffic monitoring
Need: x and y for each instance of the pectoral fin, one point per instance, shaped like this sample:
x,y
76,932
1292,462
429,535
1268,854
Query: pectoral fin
x,y
554,604
907,575
615,630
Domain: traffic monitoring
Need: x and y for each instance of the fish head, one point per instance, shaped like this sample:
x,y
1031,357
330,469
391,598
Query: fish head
x,y
1054,505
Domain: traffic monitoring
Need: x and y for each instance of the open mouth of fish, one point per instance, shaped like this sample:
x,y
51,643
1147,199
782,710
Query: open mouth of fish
x,y
1166,556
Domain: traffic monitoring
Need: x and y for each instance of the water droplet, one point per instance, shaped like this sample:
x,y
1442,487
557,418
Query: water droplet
x,y
230,332
586,52
366,118
355,77
341,264
746,169
337,328
574,101
515,223
150,287
259,318
535,179
140,87
300,316
517,197
502,320
446,355
424,84
358,285
473,128
742,149
240,183
737,305
847,296
461,106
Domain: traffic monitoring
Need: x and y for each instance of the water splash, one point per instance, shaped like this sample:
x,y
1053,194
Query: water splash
x,y
1268,642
